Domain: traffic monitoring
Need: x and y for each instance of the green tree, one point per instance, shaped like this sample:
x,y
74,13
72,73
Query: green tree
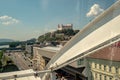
x,y
1,54
41,38
14,44
69,32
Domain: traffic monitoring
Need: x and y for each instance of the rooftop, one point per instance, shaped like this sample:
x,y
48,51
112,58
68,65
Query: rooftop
x,y
56,49
111,52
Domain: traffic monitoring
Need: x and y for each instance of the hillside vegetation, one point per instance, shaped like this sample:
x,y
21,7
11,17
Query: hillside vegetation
x,y
59,35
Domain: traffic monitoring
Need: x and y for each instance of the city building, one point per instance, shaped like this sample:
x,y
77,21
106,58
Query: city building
x,y
65,26
29,48
41,56
104,64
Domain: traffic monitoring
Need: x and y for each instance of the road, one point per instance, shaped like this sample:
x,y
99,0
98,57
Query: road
x,y
20,60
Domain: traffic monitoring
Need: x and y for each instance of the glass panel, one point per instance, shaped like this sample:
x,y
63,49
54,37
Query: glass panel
x,y
67,39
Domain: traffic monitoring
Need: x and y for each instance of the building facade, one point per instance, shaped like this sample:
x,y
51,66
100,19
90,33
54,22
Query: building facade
x,y
65,27
104,69
103,64
40,56
29,48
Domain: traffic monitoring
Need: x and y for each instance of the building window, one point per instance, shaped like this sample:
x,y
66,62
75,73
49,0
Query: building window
x,y
105,78
110,78
110,69
95,75
100,77
95,65
80,61
104,68
117,70
100,66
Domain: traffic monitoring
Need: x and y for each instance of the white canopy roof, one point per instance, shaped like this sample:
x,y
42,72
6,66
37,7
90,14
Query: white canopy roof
x,y
18,73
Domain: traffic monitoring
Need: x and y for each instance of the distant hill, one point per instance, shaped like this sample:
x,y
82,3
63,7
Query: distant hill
x,y
58,35
6,40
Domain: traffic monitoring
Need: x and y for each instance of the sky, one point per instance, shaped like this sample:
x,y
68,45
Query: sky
x,y
26,19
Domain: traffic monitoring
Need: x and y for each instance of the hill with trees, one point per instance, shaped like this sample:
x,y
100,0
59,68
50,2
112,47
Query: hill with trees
x,y
59,35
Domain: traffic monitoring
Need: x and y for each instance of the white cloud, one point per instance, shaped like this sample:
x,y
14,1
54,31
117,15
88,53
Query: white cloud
x,y
8,20
94,10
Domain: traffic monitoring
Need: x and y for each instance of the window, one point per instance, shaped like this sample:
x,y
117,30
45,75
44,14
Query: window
x,y
95,65
117,70
99,66
105,78
104,68
100,77
110,68
96,75
110,78
80,61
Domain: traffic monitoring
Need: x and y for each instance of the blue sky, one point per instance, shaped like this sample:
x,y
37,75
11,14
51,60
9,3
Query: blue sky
x,y
25,19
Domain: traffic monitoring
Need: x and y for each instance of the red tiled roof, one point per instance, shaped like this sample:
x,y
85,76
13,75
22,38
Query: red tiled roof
x,y
109,53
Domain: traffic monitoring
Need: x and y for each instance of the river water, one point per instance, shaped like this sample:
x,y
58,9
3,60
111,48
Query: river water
x,y
4,46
